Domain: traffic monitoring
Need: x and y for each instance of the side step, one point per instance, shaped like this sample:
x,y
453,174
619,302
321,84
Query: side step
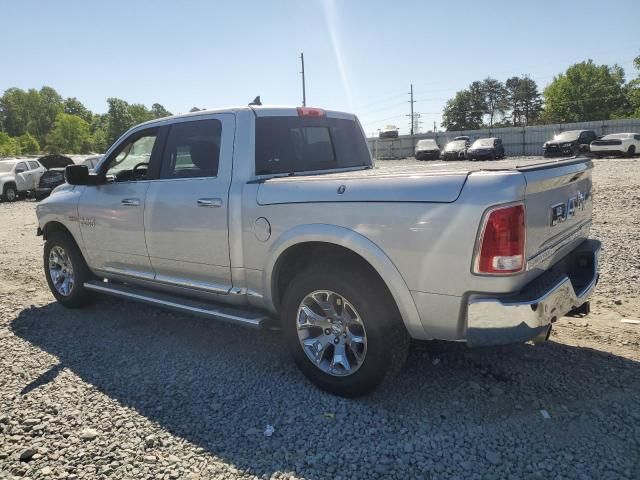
x,y
181,304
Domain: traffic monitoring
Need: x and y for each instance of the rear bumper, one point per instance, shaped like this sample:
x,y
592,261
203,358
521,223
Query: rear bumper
x,y
481,153
525,315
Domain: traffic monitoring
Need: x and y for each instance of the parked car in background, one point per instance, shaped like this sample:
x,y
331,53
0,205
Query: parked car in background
x,y
260,214
455,150
571,142
427,149
54,176
466,138
18,177
486,149
91,162
616,144
390,131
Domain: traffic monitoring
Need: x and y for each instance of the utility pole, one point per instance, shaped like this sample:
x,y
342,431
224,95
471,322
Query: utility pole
x,y
304,92
412,102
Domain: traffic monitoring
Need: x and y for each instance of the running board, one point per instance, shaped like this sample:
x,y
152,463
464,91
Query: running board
x,y
180,304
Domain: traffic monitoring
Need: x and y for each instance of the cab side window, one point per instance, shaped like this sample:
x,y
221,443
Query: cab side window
x,y
131,161
192,150
34,165
21,167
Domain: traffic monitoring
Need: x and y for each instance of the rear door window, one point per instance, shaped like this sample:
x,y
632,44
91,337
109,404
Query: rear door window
x,y
192,150
294,144
34,165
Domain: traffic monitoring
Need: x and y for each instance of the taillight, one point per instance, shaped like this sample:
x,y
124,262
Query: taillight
x,y
310,112
502,241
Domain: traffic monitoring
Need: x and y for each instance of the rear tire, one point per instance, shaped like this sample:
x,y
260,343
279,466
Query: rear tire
x,y
631,151
9,193
361,294
66,271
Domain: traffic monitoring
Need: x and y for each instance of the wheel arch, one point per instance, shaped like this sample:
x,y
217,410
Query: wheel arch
x,y
10,183
54,226
285,258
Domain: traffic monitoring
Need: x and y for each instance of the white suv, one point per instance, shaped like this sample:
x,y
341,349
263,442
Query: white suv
x,y
18,177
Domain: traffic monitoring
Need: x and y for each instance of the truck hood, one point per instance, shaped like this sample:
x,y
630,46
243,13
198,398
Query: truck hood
x,y
363,186
6,176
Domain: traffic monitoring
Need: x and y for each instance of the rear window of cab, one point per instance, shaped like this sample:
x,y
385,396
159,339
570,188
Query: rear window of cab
x,y
302,144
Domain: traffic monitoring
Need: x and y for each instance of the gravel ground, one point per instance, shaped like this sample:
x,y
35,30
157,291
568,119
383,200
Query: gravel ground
x,y
121,390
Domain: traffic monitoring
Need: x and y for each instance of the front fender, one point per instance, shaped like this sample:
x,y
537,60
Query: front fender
x,y
358,244
62,208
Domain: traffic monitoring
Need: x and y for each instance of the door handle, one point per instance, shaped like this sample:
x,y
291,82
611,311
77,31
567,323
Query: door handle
x,y
130,202
210,202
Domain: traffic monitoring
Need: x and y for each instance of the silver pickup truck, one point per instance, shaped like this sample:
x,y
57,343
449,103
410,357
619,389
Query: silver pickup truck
x,y
268,216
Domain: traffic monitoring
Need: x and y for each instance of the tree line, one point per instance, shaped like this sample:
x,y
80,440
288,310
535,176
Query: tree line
x,y
584,92
35,121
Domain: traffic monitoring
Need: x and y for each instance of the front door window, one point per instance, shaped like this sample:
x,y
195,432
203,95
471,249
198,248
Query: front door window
x,y
131,163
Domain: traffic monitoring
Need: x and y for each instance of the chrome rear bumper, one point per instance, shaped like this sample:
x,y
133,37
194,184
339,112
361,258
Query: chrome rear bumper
x,y
526,315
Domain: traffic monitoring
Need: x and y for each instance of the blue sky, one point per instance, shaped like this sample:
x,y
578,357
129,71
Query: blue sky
x,y
360,56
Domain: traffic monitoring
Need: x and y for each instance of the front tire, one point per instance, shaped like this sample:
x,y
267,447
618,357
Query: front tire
x,y
66,271
343,328
9,193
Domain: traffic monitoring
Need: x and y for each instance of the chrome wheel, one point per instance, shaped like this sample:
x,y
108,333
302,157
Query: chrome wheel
x,y
331,333
61,270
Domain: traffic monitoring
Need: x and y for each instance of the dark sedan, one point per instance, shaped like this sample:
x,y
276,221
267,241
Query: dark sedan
x,y
486,149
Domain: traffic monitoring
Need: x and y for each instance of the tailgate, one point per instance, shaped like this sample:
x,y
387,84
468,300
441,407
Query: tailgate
x,y
559,207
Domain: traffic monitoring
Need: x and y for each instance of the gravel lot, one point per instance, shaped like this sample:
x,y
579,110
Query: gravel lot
x,y
121,390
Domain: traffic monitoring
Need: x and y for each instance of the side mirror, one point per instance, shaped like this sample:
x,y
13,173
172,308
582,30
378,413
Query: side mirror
x,y
20,170
77,175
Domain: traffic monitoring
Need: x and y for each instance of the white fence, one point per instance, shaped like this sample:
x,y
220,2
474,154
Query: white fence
x,y
518,141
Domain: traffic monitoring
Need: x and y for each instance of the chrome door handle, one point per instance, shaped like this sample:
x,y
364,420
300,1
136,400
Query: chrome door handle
x,y
130,202
210,202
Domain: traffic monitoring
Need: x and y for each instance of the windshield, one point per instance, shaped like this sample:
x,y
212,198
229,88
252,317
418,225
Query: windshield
x,y
456,145
567,136
427,143
483,142
303,144
6,167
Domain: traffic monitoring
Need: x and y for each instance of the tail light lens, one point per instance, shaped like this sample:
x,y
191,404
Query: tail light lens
x,y
310,112
502,242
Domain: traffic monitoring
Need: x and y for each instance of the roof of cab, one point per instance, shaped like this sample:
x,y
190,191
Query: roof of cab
x,y
259,110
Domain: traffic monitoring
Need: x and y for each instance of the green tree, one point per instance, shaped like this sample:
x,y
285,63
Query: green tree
x,y
158,111
496,98
465,110
70,134
585,92
73,106
32,111
9,146
120,119
99,127
28,144
525,102
632,92
140,113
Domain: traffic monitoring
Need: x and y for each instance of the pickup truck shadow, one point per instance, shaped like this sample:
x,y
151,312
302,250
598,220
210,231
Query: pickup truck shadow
x,y
218,386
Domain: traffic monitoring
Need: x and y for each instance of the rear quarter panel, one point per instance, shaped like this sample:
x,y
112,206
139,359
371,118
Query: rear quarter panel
x,y
430,244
